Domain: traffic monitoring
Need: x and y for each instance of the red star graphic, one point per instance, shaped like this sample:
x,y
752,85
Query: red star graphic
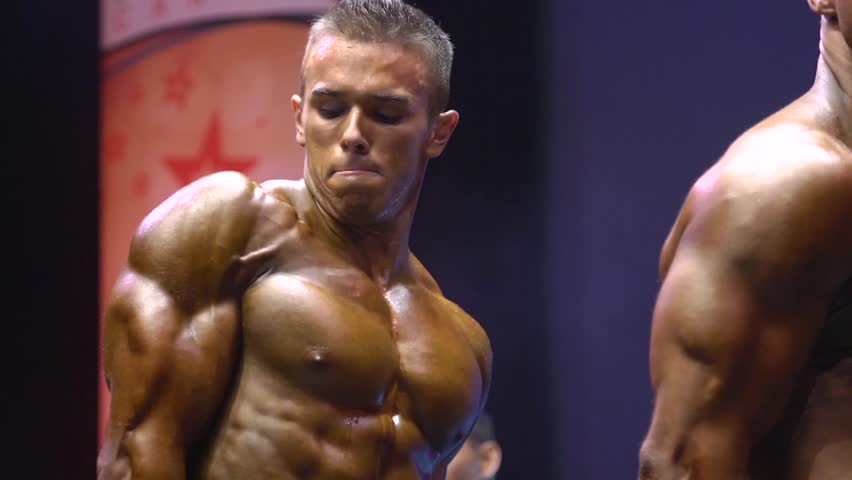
x,y
158,9
113,148
136,94
178,85
209,158
140,185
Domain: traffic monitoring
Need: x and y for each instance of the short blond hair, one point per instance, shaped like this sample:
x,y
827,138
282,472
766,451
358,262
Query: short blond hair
x,y
389,21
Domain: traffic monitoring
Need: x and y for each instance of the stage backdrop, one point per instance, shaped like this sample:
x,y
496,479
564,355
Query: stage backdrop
x,y
190,87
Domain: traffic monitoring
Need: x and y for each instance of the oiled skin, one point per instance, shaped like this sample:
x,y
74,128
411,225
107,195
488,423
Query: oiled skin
x,y
239,344
750,358
285,330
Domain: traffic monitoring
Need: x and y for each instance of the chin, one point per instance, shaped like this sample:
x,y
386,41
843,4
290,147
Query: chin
x,y
360,211
362,203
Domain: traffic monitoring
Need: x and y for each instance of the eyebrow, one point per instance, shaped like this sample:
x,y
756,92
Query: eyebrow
x,y
326,92
378,97
390,98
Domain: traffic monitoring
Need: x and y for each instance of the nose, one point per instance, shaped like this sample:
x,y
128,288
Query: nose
x,y
353,140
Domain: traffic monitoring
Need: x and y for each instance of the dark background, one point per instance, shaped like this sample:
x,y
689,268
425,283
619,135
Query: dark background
x,y
583,126
50,244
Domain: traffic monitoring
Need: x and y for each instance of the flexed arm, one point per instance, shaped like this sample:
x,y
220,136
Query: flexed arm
x,y
747,281
172,327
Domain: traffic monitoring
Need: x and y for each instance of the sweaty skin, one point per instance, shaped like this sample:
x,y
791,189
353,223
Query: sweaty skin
x,y
284,330
751,344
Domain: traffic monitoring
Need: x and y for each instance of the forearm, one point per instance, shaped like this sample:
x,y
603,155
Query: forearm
x,y
125,469
132,461
700,425
700,452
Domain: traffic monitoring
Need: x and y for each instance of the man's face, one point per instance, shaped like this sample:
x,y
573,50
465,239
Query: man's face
x,y
364,121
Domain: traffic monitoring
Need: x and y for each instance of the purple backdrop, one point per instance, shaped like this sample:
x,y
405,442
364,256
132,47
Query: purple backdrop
x,y
646,95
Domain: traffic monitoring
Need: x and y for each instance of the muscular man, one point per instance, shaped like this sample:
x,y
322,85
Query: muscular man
x,y
284,330
751,346
480,456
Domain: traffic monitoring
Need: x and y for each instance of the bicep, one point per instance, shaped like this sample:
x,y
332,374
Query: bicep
x,y
167,370
722,362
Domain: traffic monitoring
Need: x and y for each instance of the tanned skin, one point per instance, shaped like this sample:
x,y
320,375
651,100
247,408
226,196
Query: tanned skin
x,y
284,330
761,250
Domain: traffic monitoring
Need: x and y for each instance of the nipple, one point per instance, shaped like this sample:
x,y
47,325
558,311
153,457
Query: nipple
x,y
317,356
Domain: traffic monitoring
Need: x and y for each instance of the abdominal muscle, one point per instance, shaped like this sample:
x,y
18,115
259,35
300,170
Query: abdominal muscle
x,y
273,430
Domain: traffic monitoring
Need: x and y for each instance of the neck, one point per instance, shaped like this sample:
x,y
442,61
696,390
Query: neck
x,y
380,250
833,82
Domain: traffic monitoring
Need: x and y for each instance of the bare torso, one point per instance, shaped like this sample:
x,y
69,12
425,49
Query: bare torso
x,y
340,379
334,376
810,430
820,407
812,440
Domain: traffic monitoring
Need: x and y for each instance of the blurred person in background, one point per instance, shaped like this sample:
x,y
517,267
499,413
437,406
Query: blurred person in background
x,y
480,455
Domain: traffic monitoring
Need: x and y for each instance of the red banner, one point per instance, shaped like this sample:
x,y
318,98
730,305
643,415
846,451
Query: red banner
x,y
187,102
